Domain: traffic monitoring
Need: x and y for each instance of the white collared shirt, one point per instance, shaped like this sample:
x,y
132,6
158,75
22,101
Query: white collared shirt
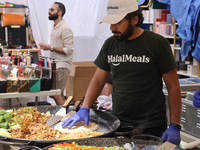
x,y
62,37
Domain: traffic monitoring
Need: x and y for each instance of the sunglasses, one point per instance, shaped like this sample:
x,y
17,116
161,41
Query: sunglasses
x,y
51,9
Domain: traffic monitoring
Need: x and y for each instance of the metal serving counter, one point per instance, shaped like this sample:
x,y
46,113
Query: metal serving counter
x,y
188,111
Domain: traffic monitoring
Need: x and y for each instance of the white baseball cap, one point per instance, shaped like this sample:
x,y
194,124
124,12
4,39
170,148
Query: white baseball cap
x,y
118,9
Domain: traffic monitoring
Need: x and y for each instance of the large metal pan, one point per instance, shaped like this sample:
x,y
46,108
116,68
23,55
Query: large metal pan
x,y
107,122
148,144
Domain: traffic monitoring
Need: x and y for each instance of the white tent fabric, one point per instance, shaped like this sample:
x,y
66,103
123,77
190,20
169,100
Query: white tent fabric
x,y
83,17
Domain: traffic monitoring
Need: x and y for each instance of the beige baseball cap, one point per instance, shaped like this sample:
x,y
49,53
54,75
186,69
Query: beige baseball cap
x,y
118,9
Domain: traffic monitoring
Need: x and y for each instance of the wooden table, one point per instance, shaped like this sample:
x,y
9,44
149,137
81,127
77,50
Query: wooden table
x,y
25,50
28,94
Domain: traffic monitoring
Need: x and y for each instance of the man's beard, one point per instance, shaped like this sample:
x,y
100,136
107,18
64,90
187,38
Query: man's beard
x,y
53,17
128,32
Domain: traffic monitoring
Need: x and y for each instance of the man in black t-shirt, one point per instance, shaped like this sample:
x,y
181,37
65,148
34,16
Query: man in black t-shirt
x,y
138,60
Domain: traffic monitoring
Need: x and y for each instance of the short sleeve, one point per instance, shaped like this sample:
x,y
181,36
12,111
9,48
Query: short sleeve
x,y
102,58
166,61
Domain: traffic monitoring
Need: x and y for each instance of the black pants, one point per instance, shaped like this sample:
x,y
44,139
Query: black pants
x,y
155,131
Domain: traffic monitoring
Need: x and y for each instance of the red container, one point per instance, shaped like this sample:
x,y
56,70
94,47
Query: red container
x,y
164,15
20,70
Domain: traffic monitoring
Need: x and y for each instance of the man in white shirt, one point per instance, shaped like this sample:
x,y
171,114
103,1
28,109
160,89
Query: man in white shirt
x,y
61,47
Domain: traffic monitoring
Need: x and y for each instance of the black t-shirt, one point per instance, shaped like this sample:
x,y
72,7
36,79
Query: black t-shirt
x,y
137,66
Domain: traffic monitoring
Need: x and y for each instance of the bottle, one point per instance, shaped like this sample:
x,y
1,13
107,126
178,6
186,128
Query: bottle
x,y
1,50
49,62
22,75
28,59
3,60
8,61
12,55
20,57
15,59
11,74
46,62
33,74
11,63
6,50
40,60
31,58
43,61
53,64
6,58
24,58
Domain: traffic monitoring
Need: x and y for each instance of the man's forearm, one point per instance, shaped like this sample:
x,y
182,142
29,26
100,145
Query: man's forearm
x,y
96,85
92,93
174,100
58,50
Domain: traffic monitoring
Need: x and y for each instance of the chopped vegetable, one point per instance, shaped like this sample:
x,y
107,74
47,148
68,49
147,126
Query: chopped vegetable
x,y
24,117
1,119
4,125
7,116
2,112
73,146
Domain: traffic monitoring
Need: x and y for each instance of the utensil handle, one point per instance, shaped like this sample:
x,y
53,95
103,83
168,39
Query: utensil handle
x,y
191,144
76,105
68,101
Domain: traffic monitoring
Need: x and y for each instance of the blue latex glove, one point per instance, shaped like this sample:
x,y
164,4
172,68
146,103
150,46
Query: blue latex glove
x,y
81,115
196,99
172,135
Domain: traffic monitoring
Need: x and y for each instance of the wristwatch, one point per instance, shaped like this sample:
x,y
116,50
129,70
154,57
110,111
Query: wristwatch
x,y
175,125
51,48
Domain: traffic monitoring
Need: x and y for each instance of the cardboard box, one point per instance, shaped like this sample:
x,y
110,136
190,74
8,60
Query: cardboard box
x,y
3,85
12,85
168,29
45,84
164,15
172,29
169,18
24,85
154,14
79,79
146,15
35,85
160,27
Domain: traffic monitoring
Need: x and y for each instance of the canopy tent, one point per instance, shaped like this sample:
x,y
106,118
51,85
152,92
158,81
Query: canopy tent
x,y
83,17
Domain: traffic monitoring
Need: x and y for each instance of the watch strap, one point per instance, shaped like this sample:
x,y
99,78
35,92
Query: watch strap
x,y
175,125
51,48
